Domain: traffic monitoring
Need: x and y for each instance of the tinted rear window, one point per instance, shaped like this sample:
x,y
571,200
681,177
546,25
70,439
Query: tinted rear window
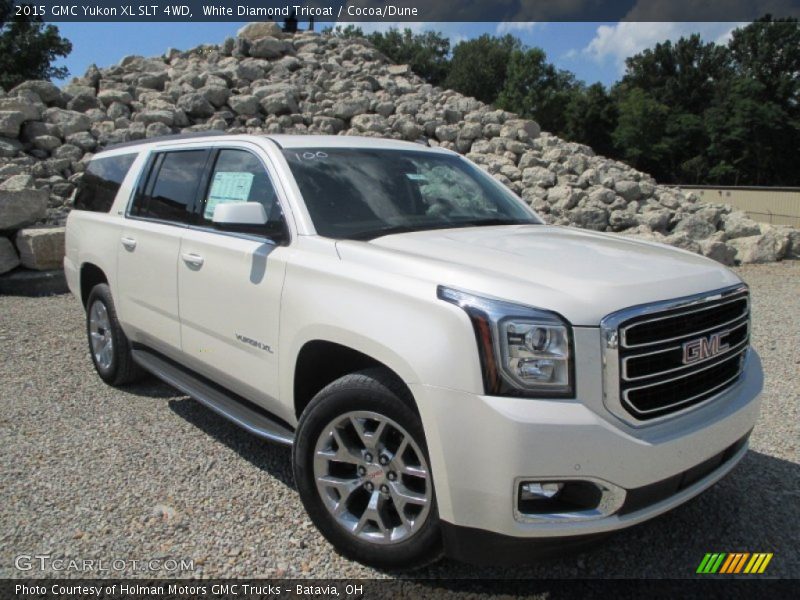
x,y
101,181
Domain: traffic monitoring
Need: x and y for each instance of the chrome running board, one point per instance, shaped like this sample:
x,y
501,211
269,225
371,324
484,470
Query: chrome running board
x,y
225,403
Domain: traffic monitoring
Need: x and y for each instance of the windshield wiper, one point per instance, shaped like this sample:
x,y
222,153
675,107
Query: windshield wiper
x,y
393,229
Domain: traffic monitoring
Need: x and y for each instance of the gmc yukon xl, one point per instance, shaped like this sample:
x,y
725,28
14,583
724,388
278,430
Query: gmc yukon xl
x,y
454,376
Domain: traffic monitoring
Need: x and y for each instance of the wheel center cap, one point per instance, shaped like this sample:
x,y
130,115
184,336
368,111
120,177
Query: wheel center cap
x,y
376,476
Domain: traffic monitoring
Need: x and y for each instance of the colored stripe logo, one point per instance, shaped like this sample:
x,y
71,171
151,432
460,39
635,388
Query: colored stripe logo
x,y
732,563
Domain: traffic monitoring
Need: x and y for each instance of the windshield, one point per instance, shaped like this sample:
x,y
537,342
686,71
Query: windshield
x,y
365,193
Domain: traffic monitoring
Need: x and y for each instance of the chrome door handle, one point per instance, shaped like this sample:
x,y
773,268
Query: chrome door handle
x,y
129,243
194,260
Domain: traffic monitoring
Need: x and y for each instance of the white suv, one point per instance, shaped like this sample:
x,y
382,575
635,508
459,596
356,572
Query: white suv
x,y
454,375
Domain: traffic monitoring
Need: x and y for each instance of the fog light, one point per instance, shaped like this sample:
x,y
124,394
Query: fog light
x,y
536,369
540,491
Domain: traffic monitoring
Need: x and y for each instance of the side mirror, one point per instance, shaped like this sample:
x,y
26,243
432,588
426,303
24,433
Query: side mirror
x,y
231,214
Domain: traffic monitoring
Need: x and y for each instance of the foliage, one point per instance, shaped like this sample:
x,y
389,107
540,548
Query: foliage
x,y
28,48
478,66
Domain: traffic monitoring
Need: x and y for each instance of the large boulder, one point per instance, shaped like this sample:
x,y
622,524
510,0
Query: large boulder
x,y
10,122
41,249
21,203
269,47
768,247
195,105
8,256
253,31
68,121
46,90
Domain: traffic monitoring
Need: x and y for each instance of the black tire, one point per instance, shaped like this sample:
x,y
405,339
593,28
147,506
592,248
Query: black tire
x,y
122,369
375,390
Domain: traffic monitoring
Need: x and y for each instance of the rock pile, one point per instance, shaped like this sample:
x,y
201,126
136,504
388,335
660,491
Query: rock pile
x,y
264,81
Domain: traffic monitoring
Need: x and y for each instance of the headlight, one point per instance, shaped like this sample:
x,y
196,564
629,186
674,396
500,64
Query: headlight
x,y
523,351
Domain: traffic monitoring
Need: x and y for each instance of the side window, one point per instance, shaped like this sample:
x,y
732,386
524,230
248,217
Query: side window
x,y
101,182
172,186
239,176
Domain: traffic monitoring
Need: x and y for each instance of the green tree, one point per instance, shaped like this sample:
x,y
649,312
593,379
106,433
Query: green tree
x,y
534,88
478,66
642,123
28,48
752,140
591,116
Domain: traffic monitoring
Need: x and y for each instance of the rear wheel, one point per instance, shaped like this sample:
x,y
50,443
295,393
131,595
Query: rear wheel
x,y
108,345
363,472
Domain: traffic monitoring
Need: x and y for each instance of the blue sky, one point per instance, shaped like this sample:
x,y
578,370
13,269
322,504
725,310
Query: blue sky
x,y
593,51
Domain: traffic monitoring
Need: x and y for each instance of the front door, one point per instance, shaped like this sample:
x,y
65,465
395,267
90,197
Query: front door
x,y
230,282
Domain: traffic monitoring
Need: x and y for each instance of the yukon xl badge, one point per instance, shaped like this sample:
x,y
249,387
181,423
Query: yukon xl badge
x,y
254,343
704,347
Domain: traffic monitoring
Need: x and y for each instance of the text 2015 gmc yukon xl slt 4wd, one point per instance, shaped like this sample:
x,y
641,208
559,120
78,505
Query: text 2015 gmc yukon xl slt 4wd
x,y
454,375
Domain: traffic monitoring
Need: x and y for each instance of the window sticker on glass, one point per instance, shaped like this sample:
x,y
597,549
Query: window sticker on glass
x,y
228,186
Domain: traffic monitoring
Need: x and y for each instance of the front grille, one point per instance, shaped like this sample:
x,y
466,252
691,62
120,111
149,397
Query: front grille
x,y
679,357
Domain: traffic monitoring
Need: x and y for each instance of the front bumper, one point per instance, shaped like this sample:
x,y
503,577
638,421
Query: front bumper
x,y
481,447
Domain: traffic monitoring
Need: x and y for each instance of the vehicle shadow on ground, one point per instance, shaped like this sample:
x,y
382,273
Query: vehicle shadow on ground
x,y
756,508
274,459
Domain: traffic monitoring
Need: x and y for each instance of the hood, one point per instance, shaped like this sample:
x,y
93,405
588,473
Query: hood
x,y
583,275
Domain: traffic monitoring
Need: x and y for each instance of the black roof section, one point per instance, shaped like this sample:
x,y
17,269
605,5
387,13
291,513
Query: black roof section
x,y
166,138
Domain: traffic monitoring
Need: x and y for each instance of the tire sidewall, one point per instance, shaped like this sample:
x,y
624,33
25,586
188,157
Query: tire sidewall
x,y
421,548
101,293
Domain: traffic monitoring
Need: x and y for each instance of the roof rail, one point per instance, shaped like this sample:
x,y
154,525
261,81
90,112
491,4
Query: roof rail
x,y
166,138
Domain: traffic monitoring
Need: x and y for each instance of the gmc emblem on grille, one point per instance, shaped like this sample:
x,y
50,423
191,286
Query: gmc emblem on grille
x,y
704,347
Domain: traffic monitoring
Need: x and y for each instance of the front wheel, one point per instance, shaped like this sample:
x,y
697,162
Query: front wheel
x,y
362,469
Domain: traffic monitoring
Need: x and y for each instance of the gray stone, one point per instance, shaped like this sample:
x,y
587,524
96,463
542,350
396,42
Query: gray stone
x,y
83,102
109,96
244,104
620,220
695,227
269,47
590,218
83,140
768,247
157,129
158,116
538,176
9,148
737,224
628,190
48,143
31,107
10,122
68,121
216,95
195,105
8,256
718,251
253,31
46,90
20,203
656,220
279,104
375,123
41,249
348,108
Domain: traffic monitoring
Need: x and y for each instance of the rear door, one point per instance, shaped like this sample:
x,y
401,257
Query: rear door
x,y
230,281
149,246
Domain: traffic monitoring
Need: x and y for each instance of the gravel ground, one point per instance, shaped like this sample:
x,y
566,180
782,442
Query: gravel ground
x,y
91,472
